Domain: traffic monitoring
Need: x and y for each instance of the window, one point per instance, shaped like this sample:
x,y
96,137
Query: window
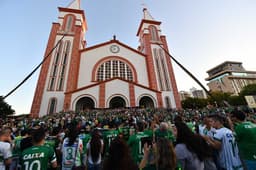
x,y
167,102
63,66
164,68
114,68
52,105
153,32
69,23
55,66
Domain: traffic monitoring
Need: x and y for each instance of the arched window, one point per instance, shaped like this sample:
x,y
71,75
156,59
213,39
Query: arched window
x,y
69,23
153,32
167,102
63,66
55,66
114,68
52,105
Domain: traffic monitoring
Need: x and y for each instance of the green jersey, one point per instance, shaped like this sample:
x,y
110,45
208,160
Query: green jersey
x,y
108,136
246,139
16,150
85,139
136,144
164,134
37,157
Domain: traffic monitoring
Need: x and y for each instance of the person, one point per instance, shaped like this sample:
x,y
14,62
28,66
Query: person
x,y
224,141
94,150
72,149
191,149
245,133
38,156
164,132
5,148
119,157
164,157
135,142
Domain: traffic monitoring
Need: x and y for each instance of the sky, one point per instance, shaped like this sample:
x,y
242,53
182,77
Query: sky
x,y
200,34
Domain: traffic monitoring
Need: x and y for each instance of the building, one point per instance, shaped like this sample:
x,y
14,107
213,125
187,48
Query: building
x,y
230,77
184,95
107,75
198,93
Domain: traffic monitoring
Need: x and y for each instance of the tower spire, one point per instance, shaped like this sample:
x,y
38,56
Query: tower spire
x,y
75,4
147,15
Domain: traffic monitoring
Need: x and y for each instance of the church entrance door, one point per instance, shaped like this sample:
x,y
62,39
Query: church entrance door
x,y
117,102
84,104
146,102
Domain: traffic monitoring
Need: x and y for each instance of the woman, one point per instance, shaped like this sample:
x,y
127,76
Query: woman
x,y
191,149
119,157
159,157
72,148
94,151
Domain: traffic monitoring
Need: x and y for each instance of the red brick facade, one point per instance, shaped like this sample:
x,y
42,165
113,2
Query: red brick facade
x,y
43,73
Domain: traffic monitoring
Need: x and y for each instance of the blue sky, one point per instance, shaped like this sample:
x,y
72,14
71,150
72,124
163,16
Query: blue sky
x,y
201,34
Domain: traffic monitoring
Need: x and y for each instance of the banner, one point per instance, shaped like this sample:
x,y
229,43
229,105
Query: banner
x,y
251,101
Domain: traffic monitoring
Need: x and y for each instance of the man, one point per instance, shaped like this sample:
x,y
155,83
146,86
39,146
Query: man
x,y
5,148
224,141
164,132
135,142
245,132
38,156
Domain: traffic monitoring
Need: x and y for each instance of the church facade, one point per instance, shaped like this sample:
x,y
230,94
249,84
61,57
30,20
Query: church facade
x,y
107,75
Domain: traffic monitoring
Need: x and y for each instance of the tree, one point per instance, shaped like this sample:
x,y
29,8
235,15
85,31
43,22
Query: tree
x,y
193,103
219,98
5,108
248,90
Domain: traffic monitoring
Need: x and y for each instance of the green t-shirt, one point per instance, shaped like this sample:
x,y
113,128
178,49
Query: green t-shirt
x,y
164,134
245,133
108,136
136,145
85,139
37,157
16,150
191,126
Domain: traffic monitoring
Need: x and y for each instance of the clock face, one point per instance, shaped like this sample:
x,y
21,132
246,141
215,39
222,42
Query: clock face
x,y
114,49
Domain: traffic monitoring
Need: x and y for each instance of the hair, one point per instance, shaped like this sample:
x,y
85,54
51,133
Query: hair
x,y
38,135
238,114
194,142
119,156
72,134
95,145
165,158
5,131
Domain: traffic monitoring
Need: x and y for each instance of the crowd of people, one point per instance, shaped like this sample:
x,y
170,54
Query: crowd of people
x,y
130,139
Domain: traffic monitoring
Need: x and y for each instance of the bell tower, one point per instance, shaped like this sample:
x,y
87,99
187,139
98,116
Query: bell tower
x,y
59,72
159,65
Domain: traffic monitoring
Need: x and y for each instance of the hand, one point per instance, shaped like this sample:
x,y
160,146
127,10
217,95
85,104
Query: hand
x,y
146,149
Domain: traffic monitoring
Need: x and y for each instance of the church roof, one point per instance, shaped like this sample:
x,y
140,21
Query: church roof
x,y
109,80
113,41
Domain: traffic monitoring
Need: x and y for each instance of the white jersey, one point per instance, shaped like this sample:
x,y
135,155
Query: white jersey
x,y
5,153
228,154
71,154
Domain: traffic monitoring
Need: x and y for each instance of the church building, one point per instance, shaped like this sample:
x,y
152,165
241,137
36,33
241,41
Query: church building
x,y
112,74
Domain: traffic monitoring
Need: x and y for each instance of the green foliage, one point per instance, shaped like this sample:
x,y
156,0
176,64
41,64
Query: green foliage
x,y
194,103
237,100
219,98
248,90
5,109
